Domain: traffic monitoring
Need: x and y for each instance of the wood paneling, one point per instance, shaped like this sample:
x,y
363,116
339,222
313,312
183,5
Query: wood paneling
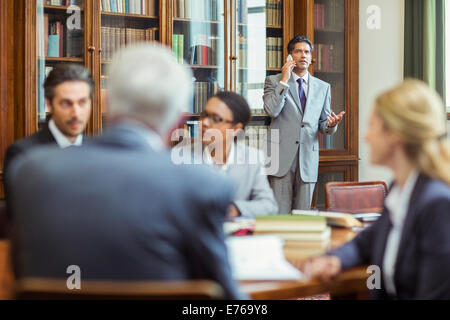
x,y
7,43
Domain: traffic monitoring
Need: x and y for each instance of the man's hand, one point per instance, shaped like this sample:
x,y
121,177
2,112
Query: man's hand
x,y
286,70
324,268
334,119
233,211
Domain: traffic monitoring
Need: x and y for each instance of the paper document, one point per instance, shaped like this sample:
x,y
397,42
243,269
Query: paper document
x,y
259,258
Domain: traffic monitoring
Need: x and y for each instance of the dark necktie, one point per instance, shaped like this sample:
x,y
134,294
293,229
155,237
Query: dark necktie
x,y
301,94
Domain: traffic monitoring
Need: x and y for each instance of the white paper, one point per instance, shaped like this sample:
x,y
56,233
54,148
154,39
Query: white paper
x,y
259,258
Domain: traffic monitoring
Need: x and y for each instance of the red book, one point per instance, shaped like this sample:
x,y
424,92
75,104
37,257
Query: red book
x,y
204,55
60,27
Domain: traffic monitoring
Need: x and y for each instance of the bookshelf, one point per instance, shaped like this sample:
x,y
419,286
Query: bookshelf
x,y
60,39
334,29
123,23
231,26
230,34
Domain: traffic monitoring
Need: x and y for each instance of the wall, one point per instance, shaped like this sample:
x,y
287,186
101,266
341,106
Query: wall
x,y
380,67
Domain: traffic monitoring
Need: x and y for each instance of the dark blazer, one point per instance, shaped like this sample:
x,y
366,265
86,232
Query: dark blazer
x,y
120,211
422,268
42,137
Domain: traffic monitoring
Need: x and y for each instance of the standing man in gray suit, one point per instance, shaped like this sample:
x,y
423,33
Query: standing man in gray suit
x,y
299,105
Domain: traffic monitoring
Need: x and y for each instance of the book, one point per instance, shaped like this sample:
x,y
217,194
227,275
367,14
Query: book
x,y
294,227
336,219
290,223
53,45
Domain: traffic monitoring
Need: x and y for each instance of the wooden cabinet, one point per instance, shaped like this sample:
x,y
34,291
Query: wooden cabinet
x,y
229,44
333,26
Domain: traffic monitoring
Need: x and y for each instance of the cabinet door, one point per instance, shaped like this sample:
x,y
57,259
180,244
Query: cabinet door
x,y
197,37
329,55
60,28
259,47
123,23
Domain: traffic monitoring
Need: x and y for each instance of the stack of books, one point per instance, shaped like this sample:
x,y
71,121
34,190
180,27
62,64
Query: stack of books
x,y
305,232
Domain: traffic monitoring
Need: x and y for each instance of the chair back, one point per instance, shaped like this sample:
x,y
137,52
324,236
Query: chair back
x,y
57,289
355,197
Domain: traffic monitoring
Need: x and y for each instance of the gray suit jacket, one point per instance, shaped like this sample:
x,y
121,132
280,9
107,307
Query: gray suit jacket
x,y
298,130
252,193
120,211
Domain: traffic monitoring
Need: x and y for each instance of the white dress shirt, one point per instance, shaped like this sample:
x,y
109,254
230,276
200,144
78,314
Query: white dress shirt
x,y
210,161
305,83
397,202
61,139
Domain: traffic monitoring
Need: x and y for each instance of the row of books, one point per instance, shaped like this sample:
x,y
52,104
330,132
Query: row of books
x,y
242,11
112,39
207,10
274,52
329,57
59,41
203,90
141,7
203,51
243,52
329,16
63,2
274,12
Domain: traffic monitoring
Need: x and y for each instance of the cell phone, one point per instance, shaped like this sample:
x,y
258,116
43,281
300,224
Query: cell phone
x,y
289,58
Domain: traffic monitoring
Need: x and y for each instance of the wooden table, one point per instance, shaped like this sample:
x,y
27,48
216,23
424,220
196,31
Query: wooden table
x,y
350,282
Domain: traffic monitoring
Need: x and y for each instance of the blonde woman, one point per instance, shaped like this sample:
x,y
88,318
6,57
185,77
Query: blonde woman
x,y
411,241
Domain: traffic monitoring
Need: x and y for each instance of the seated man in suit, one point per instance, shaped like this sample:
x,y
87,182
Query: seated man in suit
x,y
225,116
68,93
117,207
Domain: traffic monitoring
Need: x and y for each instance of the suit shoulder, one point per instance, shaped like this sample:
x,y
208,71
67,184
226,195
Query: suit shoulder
x,y
436,190
274,77
321,82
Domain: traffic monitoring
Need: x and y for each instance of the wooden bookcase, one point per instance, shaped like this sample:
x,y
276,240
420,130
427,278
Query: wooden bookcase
x,y
237,37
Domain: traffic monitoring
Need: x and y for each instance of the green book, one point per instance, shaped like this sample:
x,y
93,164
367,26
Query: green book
x,y
291,217
175,45
181,48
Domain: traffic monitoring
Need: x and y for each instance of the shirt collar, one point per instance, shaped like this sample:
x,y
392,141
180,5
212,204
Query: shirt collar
x,y
397,201
61,139
305,77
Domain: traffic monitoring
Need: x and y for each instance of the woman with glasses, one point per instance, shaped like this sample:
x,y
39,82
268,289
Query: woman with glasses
x,y
220,145
410,243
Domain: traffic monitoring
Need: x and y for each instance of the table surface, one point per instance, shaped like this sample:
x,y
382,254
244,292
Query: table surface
x,y
348,282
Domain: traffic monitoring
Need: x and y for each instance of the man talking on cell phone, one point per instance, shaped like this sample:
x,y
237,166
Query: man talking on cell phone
x,y
299,105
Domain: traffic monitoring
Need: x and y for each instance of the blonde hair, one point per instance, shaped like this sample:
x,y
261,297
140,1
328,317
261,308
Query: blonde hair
x,y
416,113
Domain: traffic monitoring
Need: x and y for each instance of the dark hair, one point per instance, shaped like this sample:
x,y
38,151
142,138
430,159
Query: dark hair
x,y
63,73
237,104
297,39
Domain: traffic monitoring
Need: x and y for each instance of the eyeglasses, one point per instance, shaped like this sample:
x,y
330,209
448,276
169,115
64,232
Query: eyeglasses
x,y
214,118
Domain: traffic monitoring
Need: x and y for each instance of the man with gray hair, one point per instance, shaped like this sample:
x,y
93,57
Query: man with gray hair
x,y
118,208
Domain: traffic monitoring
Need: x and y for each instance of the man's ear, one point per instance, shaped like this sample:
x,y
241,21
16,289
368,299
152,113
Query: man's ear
x,y
49,105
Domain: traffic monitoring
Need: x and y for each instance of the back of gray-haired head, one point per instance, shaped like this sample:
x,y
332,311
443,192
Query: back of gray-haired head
x,y
148,84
